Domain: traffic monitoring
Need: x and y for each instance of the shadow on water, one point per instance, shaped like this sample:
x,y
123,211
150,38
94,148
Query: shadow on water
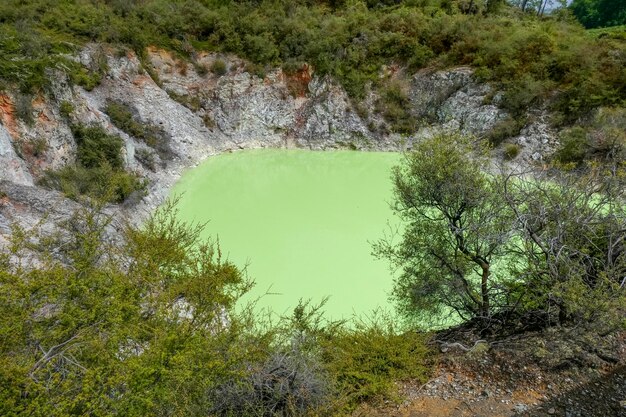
x,y
601,397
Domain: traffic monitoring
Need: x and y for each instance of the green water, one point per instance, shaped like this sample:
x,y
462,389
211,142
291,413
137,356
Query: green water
x,y
302,221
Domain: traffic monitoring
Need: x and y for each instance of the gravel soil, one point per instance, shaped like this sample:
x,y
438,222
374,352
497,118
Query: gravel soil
x,y
556,372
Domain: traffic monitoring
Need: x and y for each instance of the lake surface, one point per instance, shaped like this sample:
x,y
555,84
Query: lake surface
x,y
301,220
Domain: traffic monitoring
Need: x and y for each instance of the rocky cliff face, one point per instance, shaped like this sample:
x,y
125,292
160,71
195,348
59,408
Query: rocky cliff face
x,y
201,114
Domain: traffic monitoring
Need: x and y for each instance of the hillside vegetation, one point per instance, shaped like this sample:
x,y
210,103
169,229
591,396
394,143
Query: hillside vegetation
x,y
103,318
149,328
533,59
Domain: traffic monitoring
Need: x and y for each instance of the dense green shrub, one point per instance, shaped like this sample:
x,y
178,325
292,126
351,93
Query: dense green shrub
x,y
574,146
95,329
66,109
99,171
511,150
95,147
603,139
101,182
150,328
533,60
218,67
505,129
395,107
368,359
122,117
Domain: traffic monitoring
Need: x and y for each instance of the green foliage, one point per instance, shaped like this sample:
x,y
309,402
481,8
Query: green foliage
x,y
66,109
370,358
602,139
394,105
362,358
599,13
95,147
492,248
533,60
511,150
101,182
134,330
122,117
505,129
149,327
38,146
99,172
218,67
574,146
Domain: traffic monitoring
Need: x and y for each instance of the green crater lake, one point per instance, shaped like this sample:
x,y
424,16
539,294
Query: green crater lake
x,y
301,220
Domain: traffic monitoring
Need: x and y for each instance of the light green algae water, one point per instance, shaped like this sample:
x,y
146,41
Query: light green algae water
x,y
302,221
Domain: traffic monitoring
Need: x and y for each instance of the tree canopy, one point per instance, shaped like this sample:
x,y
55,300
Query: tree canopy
x,y
498,246
599,13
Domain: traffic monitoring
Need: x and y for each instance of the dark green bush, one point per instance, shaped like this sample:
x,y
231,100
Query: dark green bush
x,y
122,117
505,129
218,67
574,146
99,171
101,183
24,108
395,107
95,147
601,139
66,109
511,150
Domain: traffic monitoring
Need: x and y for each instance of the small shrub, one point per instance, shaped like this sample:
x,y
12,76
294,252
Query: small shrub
x,y
394,106
523,93
287,383
367,360
102,183
146,157
365,357
218,67
122,117
504,129
201,69
191,102
99,172
574,146
209,122
24,108
66,109
602,139
255,69
38,146
88,78
96,148
511,150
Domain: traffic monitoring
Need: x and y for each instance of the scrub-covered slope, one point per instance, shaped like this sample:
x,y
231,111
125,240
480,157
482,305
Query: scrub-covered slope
x,y
177,81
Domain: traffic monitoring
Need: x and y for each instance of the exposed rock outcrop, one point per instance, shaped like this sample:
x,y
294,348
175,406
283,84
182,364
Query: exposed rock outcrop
x,y
202,114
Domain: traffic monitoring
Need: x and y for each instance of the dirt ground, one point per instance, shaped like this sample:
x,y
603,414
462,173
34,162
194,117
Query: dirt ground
x,y
568,373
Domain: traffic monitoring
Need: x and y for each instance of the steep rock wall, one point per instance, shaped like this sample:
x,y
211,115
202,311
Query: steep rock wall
x,y
202,114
